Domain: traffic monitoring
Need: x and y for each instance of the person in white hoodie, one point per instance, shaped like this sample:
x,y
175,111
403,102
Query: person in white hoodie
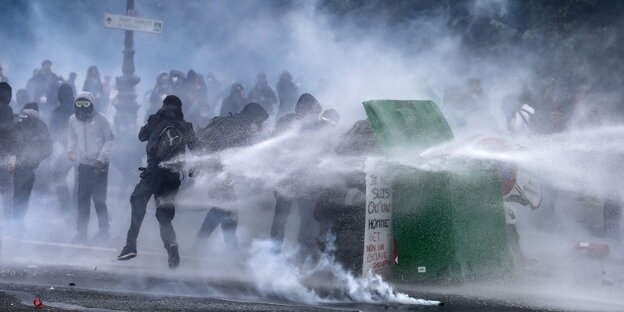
x,y
90,144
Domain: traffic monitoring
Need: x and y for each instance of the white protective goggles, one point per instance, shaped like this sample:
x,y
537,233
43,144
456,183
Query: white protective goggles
x,y
83,103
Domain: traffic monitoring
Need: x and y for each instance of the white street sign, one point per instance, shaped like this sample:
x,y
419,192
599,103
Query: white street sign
x,y
133,23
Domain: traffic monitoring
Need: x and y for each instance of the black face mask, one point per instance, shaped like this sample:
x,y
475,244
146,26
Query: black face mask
x,y
83,109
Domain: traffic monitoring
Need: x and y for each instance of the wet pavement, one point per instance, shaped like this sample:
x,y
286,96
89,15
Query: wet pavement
x,y
108,291
90,279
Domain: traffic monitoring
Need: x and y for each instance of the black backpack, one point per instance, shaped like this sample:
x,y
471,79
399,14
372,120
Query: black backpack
x,y
166,143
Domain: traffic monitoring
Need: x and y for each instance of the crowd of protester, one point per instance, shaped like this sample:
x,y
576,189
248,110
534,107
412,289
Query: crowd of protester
x,y
54,121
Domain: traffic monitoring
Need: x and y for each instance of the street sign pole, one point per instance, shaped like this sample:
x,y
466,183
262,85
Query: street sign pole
x,y
126,106
128,150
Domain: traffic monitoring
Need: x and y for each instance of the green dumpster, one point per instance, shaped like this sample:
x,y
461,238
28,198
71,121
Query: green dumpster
x,y
447,225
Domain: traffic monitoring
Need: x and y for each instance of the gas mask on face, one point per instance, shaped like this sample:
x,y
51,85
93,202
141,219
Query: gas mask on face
x,y
83,109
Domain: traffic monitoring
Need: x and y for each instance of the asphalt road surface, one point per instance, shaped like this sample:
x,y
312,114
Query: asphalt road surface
x,y
94,281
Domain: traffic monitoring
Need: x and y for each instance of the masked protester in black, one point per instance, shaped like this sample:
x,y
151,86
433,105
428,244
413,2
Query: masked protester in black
x,y
263,94
165,128
287,93
235,101
305,121
339,206
58,126
35,145
223,133
7,154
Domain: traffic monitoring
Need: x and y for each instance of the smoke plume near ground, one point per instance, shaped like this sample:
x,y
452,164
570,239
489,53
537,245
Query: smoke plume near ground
x,y
342,60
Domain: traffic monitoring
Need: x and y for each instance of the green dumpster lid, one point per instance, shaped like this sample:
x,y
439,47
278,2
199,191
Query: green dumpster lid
x,y
400,125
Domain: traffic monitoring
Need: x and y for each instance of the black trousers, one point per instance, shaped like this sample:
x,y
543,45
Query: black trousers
x,y
283,205
23,181
163,185
92,184
228,221
309,228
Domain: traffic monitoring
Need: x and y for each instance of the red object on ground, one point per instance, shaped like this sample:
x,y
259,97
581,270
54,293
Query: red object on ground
x,y
38,303
594,250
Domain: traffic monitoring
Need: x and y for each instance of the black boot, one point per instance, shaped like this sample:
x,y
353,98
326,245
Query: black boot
x,y
174,257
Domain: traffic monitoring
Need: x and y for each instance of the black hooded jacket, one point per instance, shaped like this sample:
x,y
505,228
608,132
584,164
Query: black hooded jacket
x,y
305,116
166,115
59,120
35,143
231,131
7,132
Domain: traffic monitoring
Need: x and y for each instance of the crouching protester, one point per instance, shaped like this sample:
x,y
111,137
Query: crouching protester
x,y
167,135
222,133
90,144
340,207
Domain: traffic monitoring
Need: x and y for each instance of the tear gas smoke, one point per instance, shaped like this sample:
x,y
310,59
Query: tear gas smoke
x,y
342,60
280,274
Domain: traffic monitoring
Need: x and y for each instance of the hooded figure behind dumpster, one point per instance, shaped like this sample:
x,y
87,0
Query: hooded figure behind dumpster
x,y
167,135
89,146
34,145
